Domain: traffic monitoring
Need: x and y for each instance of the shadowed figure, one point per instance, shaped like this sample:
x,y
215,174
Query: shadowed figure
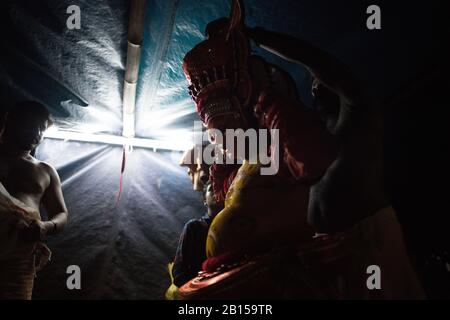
x,y
27,184
330,174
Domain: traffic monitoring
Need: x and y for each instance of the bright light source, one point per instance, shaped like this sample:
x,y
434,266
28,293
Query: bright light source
x,y
170,144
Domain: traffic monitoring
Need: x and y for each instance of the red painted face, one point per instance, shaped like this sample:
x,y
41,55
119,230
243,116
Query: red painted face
x,y
217,71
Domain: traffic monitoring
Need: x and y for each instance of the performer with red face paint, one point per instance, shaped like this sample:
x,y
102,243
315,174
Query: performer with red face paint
x,y
226,83
330,172
261,213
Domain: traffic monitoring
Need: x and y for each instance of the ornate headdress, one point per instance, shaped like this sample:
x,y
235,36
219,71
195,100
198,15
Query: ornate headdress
x,y
217,68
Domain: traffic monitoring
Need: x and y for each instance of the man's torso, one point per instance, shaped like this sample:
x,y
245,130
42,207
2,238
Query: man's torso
x,y
25,179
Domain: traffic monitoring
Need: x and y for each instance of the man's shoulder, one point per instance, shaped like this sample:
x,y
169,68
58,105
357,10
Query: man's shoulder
x,y
45,167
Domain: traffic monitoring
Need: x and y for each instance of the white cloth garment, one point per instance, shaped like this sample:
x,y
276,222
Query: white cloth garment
x,y
19,260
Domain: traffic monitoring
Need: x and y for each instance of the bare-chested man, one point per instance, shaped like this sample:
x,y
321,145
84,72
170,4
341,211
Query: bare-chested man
x,y
32,183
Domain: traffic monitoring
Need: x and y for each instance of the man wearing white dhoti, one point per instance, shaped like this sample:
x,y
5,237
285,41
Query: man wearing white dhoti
x,y
25,184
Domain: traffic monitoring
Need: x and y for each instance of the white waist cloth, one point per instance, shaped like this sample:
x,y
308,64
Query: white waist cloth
x,y
17,258
378,241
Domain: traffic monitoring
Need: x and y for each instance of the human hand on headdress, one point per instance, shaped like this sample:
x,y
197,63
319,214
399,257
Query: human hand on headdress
x,y
254,33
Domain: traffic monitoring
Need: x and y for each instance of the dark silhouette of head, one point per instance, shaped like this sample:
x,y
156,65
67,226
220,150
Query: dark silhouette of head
x,y
25,124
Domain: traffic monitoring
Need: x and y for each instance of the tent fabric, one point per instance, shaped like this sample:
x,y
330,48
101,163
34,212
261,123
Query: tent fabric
x,y
78,74
122,251
89,61
86,66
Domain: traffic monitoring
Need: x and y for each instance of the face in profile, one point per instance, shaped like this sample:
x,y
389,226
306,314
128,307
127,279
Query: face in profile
x,y
226,121
26,133
222,123
210,200
199,176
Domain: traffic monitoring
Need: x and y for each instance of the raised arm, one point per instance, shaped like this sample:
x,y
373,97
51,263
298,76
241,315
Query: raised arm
x,y
325,68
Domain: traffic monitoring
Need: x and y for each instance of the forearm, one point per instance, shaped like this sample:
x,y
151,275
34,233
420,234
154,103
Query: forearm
x,y
319,63
56,224
290,48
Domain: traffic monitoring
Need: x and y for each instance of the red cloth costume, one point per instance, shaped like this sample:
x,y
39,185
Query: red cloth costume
x,y
222,176
224,79
307,148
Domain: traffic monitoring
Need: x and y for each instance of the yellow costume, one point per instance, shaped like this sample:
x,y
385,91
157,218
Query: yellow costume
x,y
172,292
266,212
261,211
